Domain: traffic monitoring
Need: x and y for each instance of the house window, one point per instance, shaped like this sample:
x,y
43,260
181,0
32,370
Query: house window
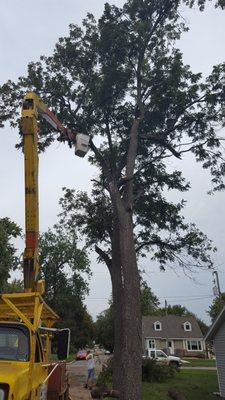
x,y
151,344
187,326
157,326
194,345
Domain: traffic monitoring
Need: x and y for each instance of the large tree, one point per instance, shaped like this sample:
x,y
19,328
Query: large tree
x,y
9,259
123,80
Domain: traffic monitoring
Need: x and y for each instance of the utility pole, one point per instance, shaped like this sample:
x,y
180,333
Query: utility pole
x,y
166,306
217,283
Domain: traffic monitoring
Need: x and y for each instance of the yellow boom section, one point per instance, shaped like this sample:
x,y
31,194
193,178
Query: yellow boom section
x,y
30,137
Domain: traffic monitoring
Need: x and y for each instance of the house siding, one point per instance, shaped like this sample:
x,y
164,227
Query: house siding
x,y
219,345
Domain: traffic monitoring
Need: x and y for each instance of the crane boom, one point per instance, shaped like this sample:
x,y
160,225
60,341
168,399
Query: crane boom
x,y
32,107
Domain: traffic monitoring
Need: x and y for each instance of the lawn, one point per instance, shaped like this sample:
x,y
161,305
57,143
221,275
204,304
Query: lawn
x,y
199,362
195,385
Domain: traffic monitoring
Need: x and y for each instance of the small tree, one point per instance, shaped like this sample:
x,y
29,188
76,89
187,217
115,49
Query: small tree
x,y
8,259
216,306
122,78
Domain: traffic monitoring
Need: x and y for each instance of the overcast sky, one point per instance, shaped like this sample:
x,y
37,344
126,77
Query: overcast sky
x,y
28,30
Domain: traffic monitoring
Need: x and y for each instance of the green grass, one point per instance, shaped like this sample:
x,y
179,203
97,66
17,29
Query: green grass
x,y
195,385
199,362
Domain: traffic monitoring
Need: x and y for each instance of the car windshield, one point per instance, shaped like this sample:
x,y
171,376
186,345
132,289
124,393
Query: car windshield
x,y
14,343
161,354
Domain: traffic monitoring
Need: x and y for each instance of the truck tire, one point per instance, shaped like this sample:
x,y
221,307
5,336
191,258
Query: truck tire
x,y
175,365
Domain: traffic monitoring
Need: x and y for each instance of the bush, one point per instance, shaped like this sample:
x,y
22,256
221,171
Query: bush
x,y
106,375
155,372
151,372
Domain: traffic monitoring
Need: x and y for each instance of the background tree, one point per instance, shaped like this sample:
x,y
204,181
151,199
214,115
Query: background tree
x,y
8,258
104,326
216,306
149,301
176,309
124,79
64,266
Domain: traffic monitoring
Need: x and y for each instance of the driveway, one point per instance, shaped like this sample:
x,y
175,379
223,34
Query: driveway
x,y
77,377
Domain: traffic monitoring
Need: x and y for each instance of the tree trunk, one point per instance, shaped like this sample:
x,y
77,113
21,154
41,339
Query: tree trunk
x,y
127,309
117,290
131,313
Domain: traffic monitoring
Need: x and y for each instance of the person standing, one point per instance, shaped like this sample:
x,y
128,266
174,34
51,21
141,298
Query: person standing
x,y
90,369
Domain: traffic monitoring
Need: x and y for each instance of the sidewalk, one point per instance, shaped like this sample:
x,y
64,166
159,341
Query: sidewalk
x,y
200,368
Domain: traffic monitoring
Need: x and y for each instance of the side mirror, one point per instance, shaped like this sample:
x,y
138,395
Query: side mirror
x,y
62,343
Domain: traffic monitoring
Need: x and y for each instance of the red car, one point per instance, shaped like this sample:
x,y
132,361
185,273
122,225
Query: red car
x,y
81,355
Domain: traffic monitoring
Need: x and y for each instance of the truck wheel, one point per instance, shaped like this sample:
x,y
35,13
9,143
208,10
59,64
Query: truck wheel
x,y
175,365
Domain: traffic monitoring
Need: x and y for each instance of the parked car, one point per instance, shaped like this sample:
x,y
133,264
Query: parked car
x,y
107,353
81,355
160,356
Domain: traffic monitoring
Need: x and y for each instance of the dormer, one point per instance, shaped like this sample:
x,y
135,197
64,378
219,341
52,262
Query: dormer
x,y
187,326
157,326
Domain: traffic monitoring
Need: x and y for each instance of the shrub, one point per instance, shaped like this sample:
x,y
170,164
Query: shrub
x,y
155,372
105,376
151,372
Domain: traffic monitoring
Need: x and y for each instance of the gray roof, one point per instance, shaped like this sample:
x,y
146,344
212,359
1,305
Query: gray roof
x,y
172,327
216,325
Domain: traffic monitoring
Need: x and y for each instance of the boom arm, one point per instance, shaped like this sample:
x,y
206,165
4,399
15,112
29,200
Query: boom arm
x,y
32,107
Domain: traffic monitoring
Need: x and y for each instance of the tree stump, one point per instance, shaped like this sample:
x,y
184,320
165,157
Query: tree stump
x,y
175,395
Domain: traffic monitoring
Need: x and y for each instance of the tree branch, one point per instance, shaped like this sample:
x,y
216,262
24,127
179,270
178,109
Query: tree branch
x,y
104,256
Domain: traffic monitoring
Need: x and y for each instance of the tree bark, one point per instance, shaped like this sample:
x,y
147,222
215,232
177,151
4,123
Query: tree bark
x,y
126,296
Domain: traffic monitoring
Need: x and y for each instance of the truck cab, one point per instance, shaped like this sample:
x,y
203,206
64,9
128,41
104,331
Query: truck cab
x,y
16,365
27,371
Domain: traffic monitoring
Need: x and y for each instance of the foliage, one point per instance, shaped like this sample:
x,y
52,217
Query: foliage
x,y
156,372
104,326
203,326
151,372
216,306
105,376
149,301
8,259
63,266
16,286
176,309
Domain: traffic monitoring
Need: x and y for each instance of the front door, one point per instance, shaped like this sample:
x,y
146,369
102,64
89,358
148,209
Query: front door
x,y
170,346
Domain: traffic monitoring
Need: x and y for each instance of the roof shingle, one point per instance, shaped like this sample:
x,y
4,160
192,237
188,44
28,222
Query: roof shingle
x,y
172,327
